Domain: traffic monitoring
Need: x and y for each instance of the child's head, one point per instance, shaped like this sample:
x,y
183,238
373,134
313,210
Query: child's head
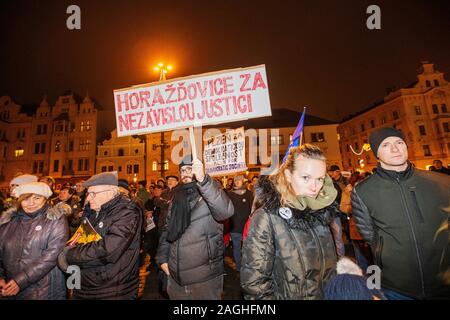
x,y
349,284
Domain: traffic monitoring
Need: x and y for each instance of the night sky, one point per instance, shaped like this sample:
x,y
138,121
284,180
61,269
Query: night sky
x,y
317,53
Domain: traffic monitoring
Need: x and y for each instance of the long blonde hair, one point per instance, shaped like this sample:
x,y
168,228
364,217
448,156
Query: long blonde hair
x,y
307,151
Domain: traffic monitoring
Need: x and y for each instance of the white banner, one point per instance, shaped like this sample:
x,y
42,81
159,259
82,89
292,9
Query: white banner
x,y
211,98
225,153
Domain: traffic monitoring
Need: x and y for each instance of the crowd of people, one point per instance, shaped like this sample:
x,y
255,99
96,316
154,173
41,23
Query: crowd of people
x,y
304,232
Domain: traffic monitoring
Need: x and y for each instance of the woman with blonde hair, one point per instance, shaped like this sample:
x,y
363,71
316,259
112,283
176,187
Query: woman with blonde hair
x,y
289,252
31,237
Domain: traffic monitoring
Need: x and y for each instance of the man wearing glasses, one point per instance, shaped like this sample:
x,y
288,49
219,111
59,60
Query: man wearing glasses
x,y
109,267
191,248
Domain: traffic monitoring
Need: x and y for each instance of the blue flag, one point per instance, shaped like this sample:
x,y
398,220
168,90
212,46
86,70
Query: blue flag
x,y
297,135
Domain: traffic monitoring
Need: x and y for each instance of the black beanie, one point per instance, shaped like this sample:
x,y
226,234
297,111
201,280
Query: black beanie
x,y
377,136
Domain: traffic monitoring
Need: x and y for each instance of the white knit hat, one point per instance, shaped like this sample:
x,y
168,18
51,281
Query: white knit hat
x,y
39,188
24,178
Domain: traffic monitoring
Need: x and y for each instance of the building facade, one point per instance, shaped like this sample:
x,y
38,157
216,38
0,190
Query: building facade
x,y
420,111
59,141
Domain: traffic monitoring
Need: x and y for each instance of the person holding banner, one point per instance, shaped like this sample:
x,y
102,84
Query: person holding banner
x,y
191,248
289,252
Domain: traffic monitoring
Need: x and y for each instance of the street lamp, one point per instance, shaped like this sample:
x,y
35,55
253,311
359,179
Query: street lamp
x,y
163,70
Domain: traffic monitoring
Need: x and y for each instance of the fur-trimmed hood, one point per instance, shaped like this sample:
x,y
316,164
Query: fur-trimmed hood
x,y
53,213
269,199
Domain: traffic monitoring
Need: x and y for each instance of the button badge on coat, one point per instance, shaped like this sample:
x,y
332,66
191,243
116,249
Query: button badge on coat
x,y
38,228
100,225
285,213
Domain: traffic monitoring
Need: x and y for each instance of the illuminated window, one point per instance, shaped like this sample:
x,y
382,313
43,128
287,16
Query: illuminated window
x,y
276,140
426,150
166,165
317,137
154,166
19,152
57,146
85,125
418,110
85,145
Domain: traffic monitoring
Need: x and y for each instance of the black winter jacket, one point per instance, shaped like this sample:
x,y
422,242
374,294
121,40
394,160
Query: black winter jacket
x,y
29,249
110,267
287,258
403,216
198,255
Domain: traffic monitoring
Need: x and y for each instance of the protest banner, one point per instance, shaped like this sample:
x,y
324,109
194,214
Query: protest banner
x,y
225,153
211,98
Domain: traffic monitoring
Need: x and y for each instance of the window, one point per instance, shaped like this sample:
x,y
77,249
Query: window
x,y
363,127
70,145
136,168
372,124
72,126
85,144
383,120
276,140
70,164
435,108
43,145
154,166
37,148
103,168
57,146
418,111
119,169
446,127
38,131
136,151
110,168
85,125
426,150
129,169
80,164
317,137
19,152
56,165
395,115
436,83
35,167
44,129
422,130
444,108
41,167
427,83
166,165
121,152
86,164
438,128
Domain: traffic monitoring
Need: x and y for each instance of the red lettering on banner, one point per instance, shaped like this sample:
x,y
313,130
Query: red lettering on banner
x,y
134,105
218,111
242,108
122,101
192,91
249,103
246,77
149,120
123,123
217,91
145,98
259,82
202,90
228,85
132,120
171,90
157,116
157,98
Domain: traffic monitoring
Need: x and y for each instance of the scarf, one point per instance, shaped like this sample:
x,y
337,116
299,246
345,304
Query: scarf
x,y
180,214
325,197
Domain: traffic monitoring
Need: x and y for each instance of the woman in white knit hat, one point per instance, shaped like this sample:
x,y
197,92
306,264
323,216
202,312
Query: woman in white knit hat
x,y
31,237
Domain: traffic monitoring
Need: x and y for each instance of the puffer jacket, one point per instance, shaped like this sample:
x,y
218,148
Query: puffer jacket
x,y
29,249
287,258
403,216
197,256
110,267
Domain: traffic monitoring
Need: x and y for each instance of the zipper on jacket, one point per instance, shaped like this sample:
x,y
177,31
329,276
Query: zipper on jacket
x,y
416,204
208,247
321,256
414,236
379,250
178,261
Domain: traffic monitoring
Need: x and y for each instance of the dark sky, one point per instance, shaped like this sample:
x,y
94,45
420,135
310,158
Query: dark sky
x,y
317,53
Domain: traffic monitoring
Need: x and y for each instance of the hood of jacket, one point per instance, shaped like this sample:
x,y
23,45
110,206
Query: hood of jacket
x,y
53,213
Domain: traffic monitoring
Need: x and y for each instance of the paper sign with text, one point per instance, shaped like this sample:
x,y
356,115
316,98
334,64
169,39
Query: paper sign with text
x,y
225,153
211,98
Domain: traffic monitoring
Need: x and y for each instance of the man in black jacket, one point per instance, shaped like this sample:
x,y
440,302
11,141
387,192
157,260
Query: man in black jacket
x,y
110,266
401,212
191,249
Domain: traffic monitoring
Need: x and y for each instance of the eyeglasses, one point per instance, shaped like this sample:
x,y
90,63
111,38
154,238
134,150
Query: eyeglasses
x,y
186,170
92,194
